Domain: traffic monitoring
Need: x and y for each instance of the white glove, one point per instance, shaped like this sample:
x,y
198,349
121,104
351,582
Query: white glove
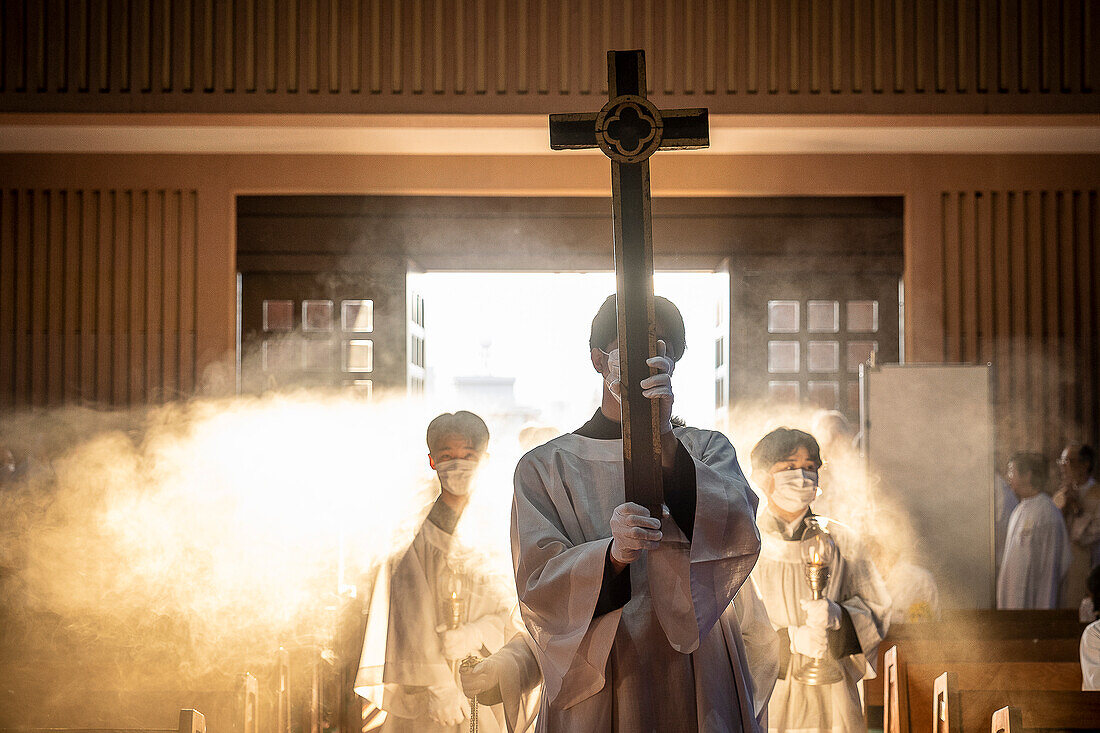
x,y
460,642
659,385
447,705
485,675
822,614
633,530
809,641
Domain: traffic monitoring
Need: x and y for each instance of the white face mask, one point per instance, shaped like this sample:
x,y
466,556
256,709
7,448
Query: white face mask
x,y
793,490
456,476
612,378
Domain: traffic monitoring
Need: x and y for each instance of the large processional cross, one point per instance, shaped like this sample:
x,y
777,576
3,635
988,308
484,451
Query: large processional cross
x,y
628,130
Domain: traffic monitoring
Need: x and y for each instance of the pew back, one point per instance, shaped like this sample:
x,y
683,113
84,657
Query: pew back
x,y
966,711
910,686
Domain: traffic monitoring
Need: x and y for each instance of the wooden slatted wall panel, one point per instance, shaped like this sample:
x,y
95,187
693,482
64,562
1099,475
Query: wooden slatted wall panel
x,y
97,296
492,56
1022,291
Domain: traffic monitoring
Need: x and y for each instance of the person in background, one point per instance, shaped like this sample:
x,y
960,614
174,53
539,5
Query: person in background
x,y
848,624
418,684
1090,639
1036,554
1078,497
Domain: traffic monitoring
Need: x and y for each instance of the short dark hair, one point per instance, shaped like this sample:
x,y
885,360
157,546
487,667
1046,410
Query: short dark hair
x,y
1034,465
1086,454
463,423
779,444
605,325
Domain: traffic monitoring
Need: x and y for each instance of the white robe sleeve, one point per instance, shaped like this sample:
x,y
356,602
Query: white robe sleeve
x,y
761,645
691,585
558,584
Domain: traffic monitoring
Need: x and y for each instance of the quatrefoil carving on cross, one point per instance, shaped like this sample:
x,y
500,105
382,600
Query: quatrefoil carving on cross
x,y
628,129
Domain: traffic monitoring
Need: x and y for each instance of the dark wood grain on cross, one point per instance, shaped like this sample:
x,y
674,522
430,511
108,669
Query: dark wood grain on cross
x,y
628,130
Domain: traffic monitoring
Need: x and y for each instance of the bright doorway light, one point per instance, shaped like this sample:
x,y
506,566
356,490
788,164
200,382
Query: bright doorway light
x,y
520,341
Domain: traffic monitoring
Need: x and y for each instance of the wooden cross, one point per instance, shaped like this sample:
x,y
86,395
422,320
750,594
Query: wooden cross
x,y
628,130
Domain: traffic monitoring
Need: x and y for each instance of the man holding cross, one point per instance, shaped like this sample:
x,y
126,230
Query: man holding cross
x,y
630,612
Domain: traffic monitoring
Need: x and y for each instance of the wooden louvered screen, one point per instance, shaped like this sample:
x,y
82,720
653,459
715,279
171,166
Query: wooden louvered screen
x,y
507,56
1022,291
97,296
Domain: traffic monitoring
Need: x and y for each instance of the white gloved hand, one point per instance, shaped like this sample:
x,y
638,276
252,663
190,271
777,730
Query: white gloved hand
x,y
821,614
809,641
460,642
485,675
633,530
659,386
447,705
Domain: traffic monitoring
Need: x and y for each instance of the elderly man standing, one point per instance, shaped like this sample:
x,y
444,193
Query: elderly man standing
x,y
1078,497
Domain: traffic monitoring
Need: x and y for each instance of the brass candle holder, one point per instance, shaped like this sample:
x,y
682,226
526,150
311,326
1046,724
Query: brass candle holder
x,y
818,550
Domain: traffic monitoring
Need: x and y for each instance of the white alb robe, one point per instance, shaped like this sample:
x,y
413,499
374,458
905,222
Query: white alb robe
x,y
856,586
1036,557
673,658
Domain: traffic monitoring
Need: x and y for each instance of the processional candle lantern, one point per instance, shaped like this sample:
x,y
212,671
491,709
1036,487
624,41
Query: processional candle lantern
x,y
818,550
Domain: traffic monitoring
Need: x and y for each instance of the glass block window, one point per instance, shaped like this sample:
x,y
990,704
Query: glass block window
x,y
859,352
319,355
823,316
783,316
357,316
359,355
863,316
784,391
317,315
280,356
278,315
825,395
823,356
783,357
361,387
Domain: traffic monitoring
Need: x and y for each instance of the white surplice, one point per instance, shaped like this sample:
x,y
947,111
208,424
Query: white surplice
x,y
673,658
1036,558
1084,537
1090,657
402,657
856,586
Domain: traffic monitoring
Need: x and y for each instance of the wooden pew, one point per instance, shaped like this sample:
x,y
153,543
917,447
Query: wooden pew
x,y
910,687
190,721
968,711
1026,636
1011,720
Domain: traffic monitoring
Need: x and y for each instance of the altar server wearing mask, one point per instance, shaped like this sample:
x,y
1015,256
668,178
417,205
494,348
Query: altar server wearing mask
x,y
848,624
413,617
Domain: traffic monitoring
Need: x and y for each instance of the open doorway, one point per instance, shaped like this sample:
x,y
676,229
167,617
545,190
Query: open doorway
x,y
515,345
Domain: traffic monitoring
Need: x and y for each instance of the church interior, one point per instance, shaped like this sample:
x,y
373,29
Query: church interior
x,y
214,213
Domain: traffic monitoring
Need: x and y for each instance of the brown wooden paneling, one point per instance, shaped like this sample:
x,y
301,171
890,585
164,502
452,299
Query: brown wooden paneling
x,y
1027,302
528,56
75,268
